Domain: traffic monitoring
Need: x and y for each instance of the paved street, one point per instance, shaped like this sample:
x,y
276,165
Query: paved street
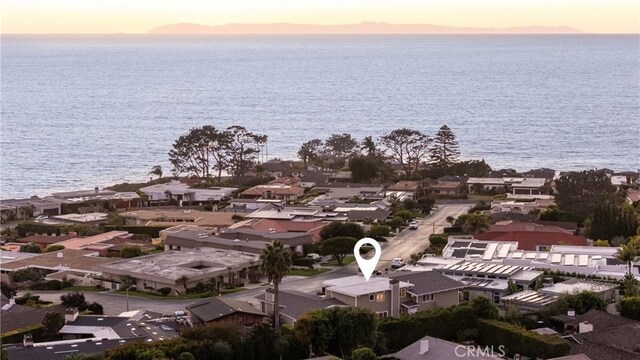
x,y
412,241
403,245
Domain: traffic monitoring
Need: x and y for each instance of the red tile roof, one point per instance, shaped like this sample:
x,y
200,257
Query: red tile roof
x,y
509,225
528,240
282,226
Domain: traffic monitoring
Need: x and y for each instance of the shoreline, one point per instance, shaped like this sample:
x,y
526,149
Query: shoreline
x,y
145,179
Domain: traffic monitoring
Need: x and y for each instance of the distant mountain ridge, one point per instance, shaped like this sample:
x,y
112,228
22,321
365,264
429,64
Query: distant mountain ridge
x,y
361,28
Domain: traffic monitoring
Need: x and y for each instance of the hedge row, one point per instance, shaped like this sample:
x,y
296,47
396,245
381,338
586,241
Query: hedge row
x,y
16,336
519,340
153,231
443,323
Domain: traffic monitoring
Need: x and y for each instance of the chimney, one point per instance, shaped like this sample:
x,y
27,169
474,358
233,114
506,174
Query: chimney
x,y
12,301
71,314
27,341
571,313
268,294
395,297
424,346
96,190
584,327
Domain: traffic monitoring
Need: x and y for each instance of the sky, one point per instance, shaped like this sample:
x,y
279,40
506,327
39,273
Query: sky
x,y
139,16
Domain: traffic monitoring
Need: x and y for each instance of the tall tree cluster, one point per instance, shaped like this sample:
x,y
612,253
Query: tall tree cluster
x,y
205,149
612,220
580,192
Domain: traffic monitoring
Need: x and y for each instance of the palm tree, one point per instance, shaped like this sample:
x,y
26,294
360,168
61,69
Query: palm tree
x,y
183,280
156,170
369,146
276,263
451,220
628,254
476,223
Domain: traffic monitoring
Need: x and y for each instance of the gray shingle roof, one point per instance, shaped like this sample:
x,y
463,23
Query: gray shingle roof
x,y
426,282
295,303
215,307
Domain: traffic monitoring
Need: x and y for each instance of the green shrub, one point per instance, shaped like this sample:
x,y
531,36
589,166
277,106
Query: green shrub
x,y
629,307
47,285
164,291
518,340
54,247
439,240
303,261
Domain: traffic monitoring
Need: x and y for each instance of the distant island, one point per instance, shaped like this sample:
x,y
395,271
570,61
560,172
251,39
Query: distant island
x,y
361,28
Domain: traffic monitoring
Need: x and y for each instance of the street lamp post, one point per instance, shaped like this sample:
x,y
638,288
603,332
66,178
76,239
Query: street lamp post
x,y
128,287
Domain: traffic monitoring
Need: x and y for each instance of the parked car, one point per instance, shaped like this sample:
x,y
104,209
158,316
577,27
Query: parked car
x,y
315,257
413,225
397,263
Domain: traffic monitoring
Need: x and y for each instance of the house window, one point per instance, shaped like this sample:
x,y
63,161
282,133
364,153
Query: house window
x,y
403,292
427,297
382,314
496,297
379,297
372,297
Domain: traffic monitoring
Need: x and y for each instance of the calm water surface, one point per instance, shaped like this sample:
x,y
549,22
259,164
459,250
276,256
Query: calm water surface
x,y
84,111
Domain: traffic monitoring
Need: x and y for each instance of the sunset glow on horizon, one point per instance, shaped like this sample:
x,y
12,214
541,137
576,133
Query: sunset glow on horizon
x,y
139,16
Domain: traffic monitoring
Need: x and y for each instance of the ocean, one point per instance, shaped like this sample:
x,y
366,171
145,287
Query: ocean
x,y
85,111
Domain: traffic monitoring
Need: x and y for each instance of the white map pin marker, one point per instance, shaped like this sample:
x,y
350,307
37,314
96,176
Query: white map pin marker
x,y
367,266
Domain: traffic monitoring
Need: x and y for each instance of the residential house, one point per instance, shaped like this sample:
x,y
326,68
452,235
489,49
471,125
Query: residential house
x,y
313,179
347,192
539,237
600,335
410,188
167,269
286,180
219,309
15,208
445,188
280,192
192,240
586,260
294,304
96,199
490,280
170,217
381,295
537,300
250,205
607,291
60,350
430,348
81,261
311,227
14,317
514,185
430,289
44,241
183,192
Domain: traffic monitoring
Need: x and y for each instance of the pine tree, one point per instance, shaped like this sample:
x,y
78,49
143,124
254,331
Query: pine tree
x,y
445,150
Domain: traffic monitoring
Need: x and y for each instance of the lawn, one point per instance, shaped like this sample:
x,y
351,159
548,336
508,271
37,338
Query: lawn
x,y
346,261
160,297
83,289
307,272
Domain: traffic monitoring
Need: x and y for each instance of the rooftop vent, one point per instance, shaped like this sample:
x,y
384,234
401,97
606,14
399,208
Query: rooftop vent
x,y
424,346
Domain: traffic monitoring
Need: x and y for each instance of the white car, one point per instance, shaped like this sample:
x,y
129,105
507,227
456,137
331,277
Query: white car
x,y
397,263
315,257
413,225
